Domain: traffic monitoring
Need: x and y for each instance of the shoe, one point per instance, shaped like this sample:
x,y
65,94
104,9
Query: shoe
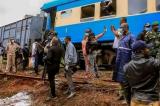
x,y
66,92
121,98
97,76
71,95
51,98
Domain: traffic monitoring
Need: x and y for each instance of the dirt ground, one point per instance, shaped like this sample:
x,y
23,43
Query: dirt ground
x,y
89,92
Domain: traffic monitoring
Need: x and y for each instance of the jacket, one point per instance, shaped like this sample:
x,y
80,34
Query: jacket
x,y
53,58
142,79
70,54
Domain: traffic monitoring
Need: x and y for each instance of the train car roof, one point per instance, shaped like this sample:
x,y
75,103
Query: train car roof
x,y
69,3
54,3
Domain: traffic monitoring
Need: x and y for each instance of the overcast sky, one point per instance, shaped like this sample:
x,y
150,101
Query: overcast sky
x,y
13,10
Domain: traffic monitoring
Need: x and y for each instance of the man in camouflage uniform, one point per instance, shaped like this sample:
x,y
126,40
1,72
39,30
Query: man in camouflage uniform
x,y
153,38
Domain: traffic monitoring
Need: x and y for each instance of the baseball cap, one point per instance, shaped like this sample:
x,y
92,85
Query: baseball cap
x,y
139,45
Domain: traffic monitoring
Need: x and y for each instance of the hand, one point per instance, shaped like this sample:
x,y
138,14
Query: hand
x,y
105,29
66,67
112,28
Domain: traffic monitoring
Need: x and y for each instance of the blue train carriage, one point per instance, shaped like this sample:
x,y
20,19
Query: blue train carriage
x,y
72,17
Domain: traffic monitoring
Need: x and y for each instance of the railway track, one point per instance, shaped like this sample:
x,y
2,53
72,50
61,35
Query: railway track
x,y
80,84
21,76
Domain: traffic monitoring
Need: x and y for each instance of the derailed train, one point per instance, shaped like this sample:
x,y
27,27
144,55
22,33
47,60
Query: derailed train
x,y
73,17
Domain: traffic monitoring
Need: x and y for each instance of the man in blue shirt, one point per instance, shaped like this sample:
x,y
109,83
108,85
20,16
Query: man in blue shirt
x,y
70,62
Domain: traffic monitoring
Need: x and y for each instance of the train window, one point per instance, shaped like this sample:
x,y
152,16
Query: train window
x,y
12,33
87,11
137,6
6,34
108,7
66,13
18,36
158,5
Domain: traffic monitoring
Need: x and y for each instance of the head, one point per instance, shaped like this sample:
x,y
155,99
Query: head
x,y
54,41
12,40
125,28
155,26
147,27
52,34
67,39
25,45
140,47
123,20
88,32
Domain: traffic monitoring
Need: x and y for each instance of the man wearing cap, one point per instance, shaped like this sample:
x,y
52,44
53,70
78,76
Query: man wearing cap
x,y
145,31
142,77
153,38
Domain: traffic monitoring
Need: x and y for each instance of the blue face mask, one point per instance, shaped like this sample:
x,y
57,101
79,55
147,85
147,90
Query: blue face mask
x,y
147,29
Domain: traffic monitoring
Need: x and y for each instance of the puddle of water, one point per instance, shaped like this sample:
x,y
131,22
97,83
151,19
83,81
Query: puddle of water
x,y
20,99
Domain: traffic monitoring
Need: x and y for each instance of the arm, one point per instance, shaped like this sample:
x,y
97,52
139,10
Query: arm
x,y
115,32
70,54
101,34
157,64
109,3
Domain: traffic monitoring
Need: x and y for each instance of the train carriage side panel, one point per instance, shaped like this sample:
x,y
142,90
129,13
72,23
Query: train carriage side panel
x,y
76,31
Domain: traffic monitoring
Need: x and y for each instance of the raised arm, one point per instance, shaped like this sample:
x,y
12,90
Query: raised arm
x,y
101,34
115,32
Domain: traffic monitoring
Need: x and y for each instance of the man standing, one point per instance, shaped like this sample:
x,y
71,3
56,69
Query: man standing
x,y
142,77
25,55
11,50
124,53
70,62
37,54
145,31
52,62
153,38
117,33
1,57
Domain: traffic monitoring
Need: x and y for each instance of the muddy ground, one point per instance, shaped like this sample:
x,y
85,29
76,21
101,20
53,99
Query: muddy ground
x,y
89,92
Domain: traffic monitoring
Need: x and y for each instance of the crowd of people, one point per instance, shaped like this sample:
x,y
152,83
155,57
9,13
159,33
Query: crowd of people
x,y
136,68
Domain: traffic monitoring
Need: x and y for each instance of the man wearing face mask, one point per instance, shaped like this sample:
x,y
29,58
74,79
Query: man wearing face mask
x,y
124,53
145,31
11,53
153,38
